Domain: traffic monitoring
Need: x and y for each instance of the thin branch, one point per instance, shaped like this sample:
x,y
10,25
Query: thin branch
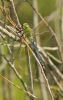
x,y
6,43
14,13
54,58
9,28
41,77
50,29
55,79
8,33
61,88
17,86
41,67
12,23
17,74
50,48
29,71
48,60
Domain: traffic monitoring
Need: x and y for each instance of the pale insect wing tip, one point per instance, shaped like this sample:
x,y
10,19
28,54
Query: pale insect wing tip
x,y
41,25
42,31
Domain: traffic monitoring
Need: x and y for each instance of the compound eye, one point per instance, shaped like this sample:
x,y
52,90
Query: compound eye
x,y
27,26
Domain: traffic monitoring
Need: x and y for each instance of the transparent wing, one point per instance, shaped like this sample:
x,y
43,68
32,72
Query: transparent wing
x,y
42,31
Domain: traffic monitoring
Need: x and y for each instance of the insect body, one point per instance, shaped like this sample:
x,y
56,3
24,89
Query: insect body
x,y
29,33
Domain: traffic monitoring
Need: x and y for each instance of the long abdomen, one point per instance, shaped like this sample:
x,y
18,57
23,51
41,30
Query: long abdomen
x,y
34,48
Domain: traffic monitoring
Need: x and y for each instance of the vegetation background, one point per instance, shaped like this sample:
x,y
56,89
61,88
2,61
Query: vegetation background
x,y
18,71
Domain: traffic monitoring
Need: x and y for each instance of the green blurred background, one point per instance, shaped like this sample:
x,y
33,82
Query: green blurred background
x,y
45,8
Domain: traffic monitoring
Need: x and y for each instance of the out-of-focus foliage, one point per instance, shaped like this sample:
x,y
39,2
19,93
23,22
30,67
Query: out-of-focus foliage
x,y
44,7
25,14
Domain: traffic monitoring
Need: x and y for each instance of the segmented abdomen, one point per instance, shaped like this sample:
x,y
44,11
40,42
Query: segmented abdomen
x,y
34,48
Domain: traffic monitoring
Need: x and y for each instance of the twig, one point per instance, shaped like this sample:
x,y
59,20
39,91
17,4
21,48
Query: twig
x,y
15,45
55,79
4,12
18,86
6,43
61,88
29,71
60,53
14,13
50,48
8,34
9,19
50,62
41,67
12,23
17,74
57,60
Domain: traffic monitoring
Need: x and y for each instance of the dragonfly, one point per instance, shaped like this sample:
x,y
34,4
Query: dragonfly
x,y
29,33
